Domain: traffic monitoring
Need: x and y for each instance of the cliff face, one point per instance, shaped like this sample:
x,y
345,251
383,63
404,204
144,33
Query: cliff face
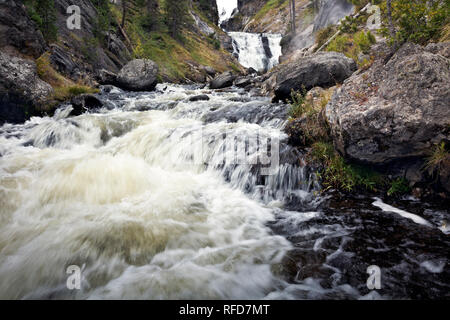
x,y
18,33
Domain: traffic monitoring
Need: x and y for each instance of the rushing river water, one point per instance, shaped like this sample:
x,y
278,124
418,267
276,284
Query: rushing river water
x,y
123,194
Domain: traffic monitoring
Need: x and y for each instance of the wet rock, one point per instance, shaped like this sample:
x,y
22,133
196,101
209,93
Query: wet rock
x,y
83,103
106,77
22,92
252,71
253,112
138,75
322,70
202,97
223,80
444,175
393,111
18,31
243,82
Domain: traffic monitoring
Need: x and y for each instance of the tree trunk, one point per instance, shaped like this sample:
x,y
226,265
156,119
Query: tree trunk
x,y
124,12
292,4
391,23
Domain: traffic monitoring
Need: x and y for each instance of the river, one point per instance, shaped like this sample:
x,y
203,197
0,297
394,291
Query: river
x,y
158,197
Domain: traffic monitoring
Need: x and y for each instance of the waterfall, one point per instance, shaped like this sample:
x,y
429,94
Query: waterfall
x,y
260,51
226,9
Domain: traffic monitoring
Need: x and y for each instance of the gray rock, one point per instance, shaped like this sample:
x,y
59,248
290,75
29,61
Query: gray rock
x,y
202,97
323,70
223,80
138,75
18,31
243,82
62,62
442,48
106,77
22,92
395,110
210,71
83,103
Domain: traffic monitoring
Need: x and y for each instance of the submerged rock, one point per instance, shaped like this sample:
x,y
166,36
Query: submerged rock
x,y
21,90
395,110
223,80
138,75
202,97
83,103
323,70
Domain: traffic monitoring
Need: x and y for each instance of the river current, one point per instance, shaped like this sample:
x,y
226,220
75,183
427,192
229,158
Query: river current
x,y
156,196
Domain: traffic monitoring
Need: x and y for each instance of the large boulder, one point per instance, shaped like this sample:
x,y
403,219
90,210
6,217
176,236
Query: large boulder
x,y
320,70
21,90
397,109
223,80
18,31
138,75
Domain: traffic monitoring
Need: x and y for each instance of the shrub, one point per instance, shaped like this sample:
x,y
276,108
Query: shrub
x,y
398,187
418,21
364,41
436,158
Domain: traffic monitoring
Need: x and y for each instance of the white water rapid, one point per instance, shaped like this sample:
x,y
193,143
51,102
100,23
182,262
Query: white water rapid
x,y
158,197
119,192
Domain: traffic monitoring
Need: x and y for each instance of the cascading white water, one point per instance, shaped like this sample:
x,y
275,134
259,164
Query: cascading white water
x,y
226,9
258,51
119,192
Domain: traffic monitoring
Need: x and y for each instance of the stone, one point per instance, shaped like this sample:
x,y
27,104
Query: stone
x,y
394,110
83,103
322,69
22,92
202,97
223,80
138,75
18,31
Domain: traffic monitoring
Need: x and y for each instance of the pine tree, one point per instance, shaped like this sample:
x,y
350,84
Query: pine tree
x,y
176,15
46,11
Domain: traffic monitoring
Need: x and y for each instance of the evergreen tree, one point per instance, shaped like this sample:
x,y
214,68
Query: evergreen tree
x,y
176,15
47,13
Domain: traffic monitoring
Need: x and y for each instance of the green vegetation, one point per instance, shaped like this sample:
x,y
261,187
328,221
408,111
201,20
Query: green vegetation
x,y
418,21
64,89
399,186
338,174
44,14
334,171
437,157
158,31
176,14
270,5
353,44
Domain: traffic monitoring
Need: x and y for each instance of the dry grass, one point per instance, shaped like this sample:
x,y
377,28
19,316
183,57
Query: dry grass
x,y
64,89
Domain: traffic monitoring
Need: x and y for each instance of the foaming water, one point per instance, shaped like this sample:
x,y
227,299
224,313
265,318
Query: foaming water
x,y
118,193
157,197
